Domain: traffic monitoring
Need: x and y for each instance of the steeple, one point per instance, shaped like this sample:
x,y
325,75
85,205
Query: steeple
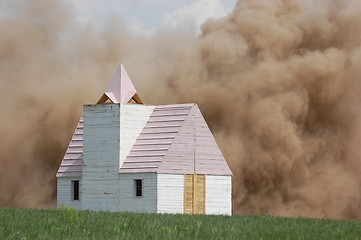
x,y
120,89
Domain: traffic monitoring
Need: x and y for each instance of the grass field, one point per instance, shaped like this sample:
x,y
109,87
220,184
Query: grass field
x,y
71,224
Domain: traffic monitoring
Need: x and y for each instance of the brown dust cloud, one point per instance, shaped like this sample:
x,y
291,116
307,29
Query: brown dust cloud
x,y
278,81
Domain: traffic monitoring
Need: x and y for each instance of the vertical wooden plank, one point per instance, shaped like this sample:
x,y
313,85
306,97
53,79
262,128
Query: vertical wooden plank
x,y
199,194
203,194
188,193
194,193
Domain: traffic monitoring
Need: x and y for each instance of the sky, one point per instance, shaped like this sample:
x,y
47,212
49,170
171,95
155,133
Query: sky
x,y
145,16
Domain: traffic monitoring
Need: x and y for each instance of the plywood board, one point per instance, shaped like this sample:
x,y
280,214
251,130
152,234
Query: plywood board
x,y
188,193
194,194
199,194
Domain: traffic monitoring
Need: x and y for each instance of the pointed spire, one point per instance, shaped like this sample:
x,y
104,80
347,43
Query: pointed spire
x,y
120,88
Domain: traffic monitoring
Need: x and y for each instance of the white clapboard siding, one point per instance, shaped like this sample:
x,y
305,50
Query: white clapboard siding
x,y
218,195
64,193
170,193
100,178
133,118
129,202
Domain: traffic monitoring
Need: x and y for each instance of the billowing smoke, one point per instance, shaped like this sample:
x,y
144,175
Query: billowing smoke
x,y
278,82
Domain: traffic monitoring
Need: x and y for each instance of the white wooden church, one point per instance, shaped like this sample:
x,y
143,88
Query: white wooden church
x,y
141,158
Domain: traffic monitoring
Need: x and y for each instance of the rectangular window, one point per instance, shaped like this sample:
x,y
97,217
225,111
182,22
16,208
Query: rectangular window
x,y
138,184
75,187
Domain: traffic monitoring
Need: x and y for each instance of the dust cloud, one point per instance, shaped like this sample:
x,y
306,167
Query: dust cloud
x,y
49,66
277,81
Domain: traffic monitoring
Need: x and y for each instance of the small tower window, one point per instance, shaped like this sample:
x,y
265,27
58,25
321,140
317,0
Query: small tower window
x,y
138,184
75,188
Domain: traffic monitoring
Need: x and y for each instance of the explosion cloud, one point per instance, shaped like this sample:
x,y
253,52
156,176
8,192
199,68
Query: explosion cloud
x,y
278,82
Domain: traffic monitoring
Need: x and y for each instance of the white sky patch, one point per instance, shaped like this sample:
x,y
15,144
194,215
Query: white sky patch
x,y
145,16
139,28
198,12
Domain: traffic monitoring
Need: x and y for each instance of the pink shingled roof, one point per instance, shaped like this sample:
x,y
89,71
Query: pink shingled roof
x,y
156,138
72,164
176,139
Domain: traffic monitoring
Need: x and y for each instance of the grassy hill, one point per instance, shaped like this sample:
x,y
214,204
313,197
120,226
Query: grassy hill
x,y
71,224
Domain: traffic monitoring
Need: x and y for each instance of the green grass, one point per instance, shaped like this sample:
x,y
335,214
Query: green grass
x,y
71,224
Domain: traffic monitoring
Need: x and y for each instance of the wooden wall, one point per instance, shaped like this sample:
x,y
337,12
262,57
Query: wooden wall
x,y
100,180
129,202
64,193
218,195
170,193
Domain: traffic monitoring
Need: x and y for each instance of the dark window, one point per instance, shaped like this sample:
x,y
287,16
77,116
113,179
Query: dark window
x,y
138,183
75,186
